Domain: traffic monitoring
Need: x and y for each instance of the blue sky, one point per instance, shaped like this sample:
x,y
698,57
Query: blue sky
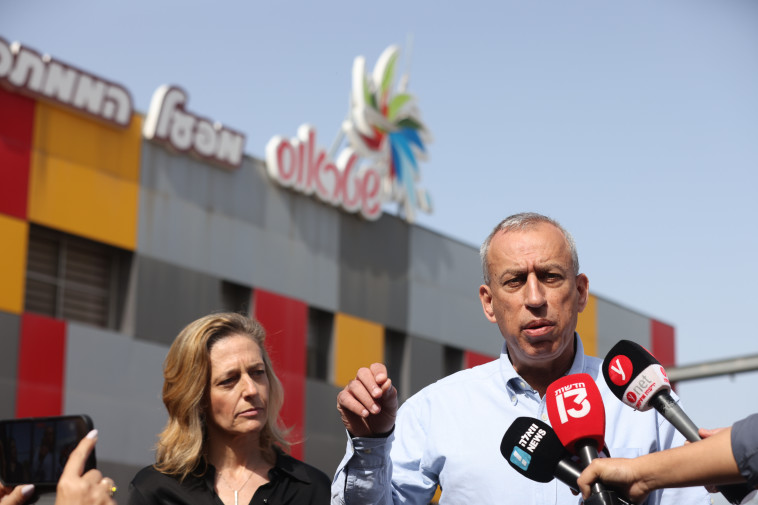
x,y
634,123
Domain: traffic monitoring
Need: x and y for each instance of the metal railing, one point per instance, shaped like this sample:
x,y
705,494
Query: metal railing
x,y
712,369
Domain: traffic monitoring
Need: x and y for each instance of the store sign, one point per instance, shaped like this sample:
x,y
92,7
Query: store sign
x,y
41,76
300,164
386,139
168,122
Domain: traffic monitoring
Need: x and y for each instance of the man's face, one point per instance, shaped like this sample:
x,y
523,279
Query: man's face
x,y
533,294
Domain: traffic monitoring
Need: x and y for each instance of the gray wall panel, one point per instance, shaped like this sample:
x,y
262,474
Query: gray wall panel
x,y
118,382
10,335
170,297
180,232
445,276
236,193
615,323
374,270
324,431
287,243
424,365
300,249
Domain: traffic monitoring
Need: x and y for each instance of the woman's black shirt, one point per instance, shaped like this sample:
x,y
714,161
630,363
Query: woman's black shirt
x,y
291,482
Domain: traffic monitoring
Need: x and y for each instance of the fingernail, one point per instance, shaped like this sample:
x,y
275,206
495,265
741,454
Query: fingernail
x,y
375,409
92,434
27,490
377,391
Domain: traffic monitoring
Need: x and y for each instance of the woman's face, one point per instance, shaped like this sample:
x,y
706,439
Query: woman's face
x,y
238,389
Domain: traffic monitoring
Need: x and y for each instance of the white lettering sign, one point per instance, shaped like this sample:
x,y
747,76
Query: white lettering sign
x,y
169,122
44,77
298,163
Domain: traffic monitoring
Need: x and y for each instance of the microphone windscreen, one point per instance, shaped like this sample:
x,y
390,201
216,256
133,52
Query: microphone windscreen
x,y
532,448
633,375
576,410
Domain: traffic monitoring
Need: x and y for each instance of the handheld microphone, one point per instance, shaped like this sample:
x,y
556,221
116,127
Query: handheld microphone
x,y
533,449
576,411
639,380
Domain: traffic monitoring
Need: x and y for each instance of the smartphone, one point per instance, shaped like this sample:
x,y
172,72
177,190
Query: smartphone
x,y
34,450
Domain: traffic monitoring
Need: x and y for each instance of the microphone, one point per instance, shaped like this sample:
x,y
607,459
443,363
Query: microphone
x,y
639,380
576,411
533,449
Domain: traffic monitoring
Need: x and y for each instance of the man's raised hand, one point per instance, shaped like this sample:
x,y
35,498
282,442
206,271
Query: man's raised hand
x,y
368,404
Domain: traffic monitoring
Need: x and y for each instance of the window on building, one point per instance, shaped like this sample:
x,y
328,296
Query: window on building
x,y
319,344
236,297
69,277
394,356
453,360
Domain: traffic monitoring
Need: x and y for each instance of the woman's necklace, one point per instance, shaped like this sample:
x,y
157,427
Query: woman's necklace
x,y
236,491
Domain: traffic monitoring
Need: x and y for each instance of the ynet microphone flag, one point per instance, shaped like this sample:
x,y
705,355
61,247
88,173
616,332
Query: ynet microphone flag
x,y
639,380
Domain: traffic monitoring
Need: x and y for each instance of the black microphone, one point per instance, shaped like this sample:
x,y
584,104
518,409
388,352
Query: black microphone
x,y
640,381
533,449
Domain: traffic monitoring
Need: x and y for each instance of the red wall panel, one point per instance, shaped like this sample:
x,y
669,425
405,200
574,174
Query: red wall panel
x,y
41,362
472,359
16,130
662,342
286,324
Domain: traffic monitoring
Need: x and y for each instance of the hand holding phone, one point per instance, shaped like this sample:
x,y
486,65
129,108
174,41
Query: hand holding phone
x,y
34,450
77,484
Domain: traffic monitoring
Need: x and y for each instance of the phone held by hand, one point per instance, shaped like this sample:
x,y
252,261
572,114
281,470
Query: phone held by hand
x,y
34,450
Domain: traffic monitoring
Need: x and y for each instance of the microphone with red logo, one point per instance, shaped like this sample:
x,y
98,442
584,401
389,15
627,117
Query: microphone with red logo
x,y
576,411
640,381
533,449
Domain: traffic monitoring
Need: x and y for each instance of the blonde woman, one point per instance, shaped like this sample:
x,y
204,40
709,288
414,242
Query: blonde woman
x,y
223,439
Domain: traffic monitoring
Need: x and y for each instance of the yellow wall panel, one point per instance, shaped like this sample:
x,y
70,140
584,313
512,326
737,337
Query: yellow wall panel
x,y
14,235
357,343
83,141
586,326
83,201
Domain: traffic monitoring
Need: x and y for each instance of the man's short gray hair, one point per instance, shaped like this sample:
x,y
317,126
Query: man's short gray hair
x,y
525,221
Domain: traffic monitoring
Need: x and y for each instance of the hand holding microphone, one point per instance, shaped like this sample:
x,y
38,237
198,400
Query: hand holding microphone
x,y
637,379
533,449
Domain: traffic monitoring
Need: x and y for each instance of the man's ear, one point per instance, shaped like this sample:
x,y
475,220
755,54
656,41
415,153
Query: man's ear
x,y
583,288
485,296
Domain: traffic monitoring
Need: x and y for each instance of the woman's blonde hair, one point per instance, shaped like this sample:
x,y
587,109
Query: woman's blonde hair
x,y
182,443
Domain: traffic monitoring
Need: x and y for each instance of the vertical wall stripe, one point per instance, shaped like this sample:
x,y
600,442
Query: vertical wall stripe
x,y
16,126
14,237
662,342
286,323
472,359
41,359
586,326
357,343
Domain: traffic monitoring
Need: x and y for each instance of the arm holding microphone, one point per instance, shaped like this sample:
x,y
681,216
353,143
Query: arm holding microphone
x,y
639,380
709,461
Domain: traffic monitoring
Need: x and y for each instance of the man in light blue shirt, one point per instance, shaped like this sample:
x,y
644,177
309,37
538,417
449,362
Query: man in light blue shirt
x,y
449,433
